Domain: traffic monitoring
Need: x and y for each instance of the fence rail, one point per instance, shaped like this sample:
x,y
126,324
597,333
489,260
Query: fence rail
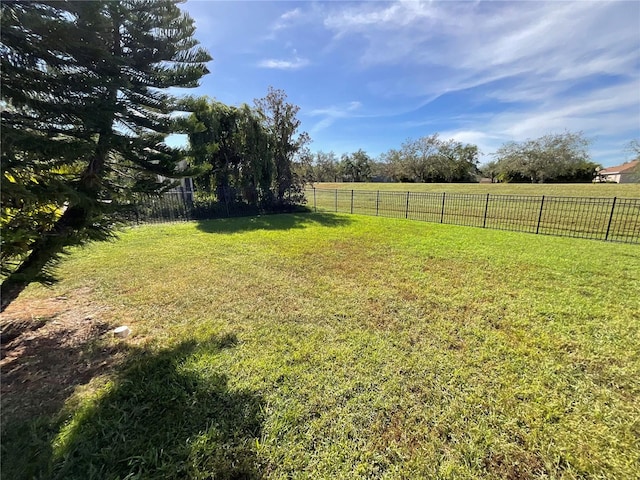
x,y
611,219
184,206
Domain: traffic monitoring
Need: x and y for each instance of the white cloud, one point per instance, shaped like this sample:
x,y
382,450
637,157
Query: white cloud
x,y
487,143
291,14
336,112
487,72
612,112
293,64
287,19
608,110
399,14
332,113
454,46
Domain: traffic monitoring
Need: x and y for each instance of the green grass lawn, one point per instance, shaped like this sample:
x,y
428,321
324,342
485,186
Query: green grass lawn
x,y
629,190
335,346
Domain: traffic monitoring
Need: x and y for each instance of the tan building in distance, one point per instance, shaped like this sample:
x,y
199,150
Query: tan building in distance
x,y
628,172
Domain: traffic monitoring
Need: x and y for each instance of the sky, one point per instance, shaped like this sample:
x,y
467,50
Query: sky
x,y
369,75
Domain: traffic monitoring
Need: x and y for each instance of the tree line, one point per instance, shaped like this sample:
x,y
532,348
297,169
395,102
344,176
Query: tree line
x,y
427,159
550,158
560,157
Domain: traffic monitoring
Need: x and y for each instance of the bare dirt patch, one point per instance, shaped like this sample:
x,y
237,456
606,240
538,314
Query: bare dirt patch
x,y
48,348
518,465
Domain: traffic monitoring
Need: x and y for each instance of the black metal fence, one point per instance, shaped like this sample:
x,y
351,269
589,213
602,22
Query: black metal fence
x,y
611,219
185,206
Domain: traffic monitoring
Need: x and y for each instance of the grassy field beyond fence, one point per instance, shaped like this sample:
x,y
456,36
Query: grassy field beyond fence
x,y
609,190
600,218
328,346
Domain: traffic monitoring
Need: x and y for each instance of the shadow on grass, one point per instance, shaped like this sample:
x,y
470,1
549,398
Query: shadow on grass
x,y
280,221
164,416
40,370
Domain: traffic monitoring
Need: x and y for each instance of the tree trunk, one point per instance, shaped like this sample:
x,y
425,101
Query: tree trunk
x,y
75,218
49,247
43,253
17,281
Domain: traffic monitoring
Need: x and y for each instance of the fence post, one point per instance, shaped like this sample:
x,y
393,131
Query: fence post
x,y
137,211
540,215
613,206
486,207
377,202
315,208
351,201
336,200
406,212
442,212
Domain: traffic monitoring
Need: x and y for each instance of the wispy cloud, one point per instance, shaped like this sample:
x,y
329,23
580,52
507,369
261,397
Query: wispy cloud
x,y
487,142
540,66
398,14
288,18
293,64
611,112
337,112
456,46
333,113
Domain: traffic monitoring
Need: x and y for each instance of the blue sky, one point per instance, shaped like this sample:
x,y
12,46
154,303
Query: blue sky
x,y
371,74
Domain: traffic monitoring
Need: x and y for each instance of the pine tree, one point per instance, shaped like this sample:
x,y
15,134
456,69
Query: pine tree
x,y
84,116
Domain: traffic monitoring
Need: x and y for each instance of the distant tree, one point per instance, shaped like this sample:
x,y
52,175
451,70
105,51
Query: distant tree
x,y
634,149
280,121
551,158
490,170
347,168
380,171
422,159
356,167
326,167
431,159
303,166
396,166
461,161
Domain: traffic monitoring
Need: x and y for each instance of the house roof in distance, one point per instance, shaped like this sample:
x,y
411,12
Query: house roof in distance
x,y
625,167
